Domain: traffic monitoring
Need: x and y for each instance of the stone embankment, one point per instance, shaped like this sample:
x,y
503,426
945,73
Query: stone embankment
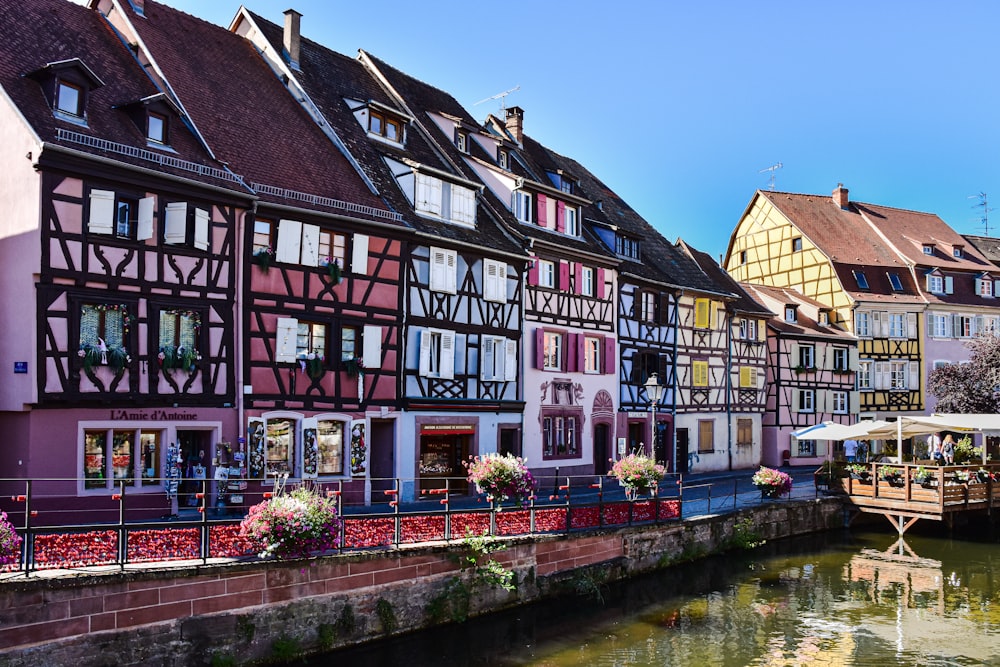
x,y
266,612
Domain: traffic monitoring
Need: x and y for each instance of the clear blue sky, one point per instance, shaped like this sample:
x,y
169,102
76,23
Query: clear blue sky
x,y
679,105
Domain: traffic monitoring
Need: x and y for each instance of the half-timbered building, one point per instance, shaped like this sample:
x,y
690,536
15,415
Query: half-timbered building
x,y
458,354
825,248
119,247
811,369
321,258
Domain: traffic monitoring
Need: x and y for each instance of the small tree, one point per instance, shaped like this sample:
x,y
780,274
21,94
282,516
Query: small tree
x,y
972,387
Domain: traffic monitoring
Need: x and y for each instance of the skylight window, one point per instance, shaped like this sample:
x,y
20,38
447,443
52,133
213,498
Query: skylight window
x,y
862,281
897,284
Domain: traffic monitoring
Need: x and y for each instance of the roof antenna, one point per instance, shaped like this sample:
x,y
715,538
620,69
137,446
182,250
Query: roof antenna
x,y
983,204
770,181
499,96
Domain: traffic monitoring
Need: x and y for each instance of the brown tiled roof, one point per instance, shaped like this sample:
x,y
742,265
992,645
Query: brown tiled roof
x,y
245,113
988,246
805,325
34,34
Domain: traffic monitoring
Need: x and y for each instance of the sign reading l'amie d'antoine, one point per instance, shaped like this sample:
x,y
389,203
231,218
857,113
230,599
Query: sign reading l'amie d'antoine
x,y
154,415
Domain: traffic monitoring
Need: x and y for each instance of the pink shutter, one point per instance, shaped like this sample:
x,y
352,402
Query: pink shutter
x,y
610,356
563,276
533,271
578,288
560,216
573,342
600,283
543,212
539,348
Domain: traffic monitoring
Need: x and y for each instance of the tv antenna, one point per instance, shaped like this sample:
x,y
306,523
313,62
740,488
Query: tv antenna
x,y
770,180
499,96
983,204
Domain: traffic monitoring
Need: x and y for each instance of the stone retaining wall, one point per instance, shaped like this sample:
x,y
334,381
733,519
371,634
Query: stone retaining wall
x,y
238,613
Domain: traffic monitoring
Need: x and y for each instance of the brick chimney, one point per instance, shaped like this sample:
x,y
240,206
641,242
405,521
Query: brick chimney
x,y
515,123
840,196
291,37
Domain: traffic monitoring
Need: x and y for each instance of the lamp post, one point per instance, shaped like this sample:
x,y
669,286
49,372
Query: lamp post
x,y
654,392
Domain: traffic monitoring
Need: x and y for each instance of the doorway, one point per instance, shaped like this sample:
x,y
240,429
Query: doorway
x,y
601,453
441,458
509,441
193,447
383,462
636,439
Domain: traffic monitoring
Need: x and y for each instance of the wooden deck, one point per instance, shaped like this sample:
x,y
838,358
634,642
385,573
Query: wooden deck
x,y
891,490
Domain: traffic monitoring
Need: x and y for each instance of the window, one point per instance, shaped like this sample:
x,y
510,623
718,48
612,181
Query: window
x,y
498,359
332,249
184,224
840,359
706,436
178,338
748,329
626,247
587,287
897,375
897,325
552,355
566,185
559,436
280,446
134,458
699,373
261,235
103,333
350,343
744,432
797,244
864,375
310,339
748,377
957,251
838,402
935,284
571,221
647,305
859,277
382,125
120,215
546,273
807,400
494,281
591,355
702,313
521,205
806,447
928,249
791,313
330,447
807,356
156,128
984,286
824,318
645,364
963,326
895,282
743,257
863,323
437,354
941,325
69,99
502,159
444,270
462,141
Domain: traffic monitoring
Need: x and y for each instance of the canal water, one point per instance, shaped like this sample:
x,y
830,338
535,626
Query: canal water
x,y
843,599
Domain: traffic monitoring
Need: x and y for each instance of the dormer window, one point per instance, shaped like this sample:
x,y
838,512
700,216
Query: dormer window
x,y
502,159
984,285
895,282
66,85
566,185
791,314
626,247
572,221
462,141
521,205
824,318
382,125
69,99
859,277
957,251
156,128
928,248
935,283
152,116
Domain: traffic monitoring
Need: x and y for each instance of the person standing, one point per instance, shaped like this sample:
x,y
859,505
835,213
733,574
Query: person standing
x,y
934,447
948,450
850,449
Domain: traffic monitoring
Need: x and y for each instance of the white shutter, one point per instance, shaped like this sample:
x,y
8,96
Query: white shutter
x,y
949,284
144,230
463,205
451,274
978,325
796,356
510,360
289,241
881,370
447,355
428,194
996,288
911,325
424,367
822,399
310,245
285,340
956,326
359,255
487,359
371,354
494,281
852,358
883,324
175,225
438,276
310,447
913,375
796,394
201,229
102,212
855,404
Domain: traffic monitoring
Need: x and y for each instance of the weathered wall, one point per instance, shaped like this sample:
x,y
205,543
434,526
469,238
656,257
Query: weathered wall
x,y
263,611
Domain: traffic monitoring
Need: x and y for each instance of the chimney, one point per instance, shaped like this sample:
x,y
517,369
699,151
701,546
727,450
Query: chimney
x,y
840,196
515,123
291,37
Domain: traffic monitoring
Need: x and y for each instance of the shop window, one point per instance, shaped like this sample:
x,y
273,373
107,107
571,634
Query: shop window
x,y
112,457
330,445
806,448
280,446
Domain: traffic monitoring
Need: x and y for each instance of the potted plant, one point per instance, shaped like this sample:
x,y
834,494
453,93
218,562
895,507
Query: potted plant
x,y
922,475
962,476
858,471
355,366
501,477
10,542
772,483
637,473
264,257
294,524
313,365
332,269
891,475
983,475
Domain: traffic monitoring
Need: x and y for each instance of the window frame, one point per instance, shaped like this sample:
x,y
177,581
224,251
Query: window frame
x,y
520,204
863,324
553,351
78,112
796,244
839,402
706,436
136,479
895,282
546,273
699,373
841,359
864,378
443,275
592,346
807,401
163,119
807,356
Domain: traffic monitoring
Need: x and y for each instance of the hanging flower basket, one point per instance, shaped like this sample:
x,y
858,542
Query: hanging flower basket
x,y
263,258
313,365
501,477
332,269
638,474
180,357
354,366
295,524
772,483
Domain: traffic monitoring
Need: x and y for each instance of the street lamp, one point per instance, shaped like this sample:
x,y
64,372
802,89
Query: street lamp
x,y
654,392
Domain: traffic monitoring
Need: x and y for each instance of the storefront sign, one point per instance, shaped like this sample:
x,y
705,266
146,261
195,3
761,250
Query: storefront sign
x,y
638,415
447,429
154,415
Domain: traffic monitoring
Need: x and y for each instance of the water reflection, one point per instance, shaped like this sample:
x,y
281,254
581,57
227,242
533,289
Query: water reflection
x,y
855,600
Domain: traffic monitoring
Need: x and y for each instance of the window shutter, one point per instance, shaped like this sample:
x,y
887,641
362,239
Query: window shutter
x,y
881,374
578,276
855,402
913,375
438,276
822,400
563,276
996,288
289,242
257,447
487,359
102,212
175,225
761,330
911,325
745,376
424,367
574,352
539,348
310,445
560,216
796,395
201,229
447,355
956,327
979,325
310,245
371,354
144,229
543,213
428,194
494,281
949,284
795,356
533,271
885,323
611,357
359,255
852,358
286,338
510,360
600,283
451,273
463,205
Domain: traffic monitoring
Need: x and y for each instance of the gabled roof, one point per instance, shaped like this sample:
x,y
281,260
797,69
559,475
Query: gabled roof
x,y
235,99
44,38
776,298
988,246
742,302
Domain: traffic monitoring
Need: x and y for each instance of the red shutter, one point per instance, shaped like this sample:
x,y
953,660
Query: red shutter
x,y
563,276
600,283
573,342
543,211
578,289
560,216
533,271
539,348
610,355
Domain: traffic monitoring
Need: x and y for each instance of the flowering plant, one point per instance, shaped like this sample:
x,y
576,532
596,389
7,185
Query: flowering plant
x,y
264,257
962,476
637,471
355,366
772,482
922,475
313,364
292,525
501,477
181,357
10,541
858,470
332,268
889,474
